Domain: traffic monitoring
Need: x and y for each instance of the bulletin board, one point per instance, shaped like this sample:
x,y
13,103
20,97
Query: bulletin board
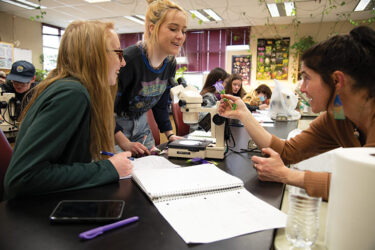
x,y
6,55
272,59
241,64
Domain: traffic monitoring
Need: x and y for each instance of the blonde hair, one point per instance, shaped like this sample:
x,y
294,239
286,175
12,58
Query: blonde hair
x,y
156,14
83,54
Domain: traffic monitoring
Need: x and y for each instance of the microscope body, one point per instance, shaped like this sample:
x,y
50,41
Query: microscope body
x,y
7,111
190,102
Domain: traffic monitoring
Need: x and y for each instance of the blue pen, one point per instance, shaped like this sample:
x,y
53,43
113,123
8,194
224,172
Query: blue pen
x,y
100,230
107,153
112,154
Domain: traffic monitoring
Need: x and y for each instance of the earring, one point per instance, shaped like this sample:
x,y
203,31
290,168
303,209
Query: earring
x,y
338,109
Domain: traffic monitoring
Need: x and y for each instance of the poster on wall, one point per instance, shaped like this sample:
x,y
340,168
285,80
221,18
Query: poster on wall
x,y
272,59
6,55
241,64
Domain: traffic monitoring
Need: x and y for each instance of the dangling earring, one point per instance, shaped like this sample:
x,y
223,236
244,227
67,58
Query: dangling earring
x,y
338,109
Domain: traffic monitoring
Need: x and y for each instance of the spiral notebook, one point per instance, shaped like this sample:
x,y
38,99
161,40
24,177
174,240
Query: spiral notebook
x,y
205,204
173,183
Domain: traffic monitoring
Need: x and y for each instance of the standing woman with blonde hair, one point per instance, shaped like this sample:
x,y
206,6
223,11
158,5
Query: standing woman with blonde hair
x,y
143,82
69,118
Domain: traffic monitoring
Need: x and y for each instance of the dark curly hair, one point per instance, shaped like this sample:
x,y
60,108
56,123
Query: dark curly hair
x,y
263,88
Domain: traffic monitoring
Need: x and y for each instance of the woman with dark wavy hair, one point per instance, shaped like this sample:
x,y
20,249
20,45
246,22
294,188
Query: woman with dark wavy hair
x,y
338,78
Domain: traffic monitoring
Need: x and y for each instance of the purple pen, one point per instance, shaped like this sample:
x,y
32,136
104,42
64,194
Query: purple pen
x,y
100,230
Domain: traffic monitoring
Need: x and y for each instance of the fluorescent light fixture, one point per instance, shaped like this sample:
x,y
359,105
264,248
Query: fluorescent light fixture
x,y
199,15
281,9
135,19
362,5
24,4
289,7
141,17
97,1
272,7
213,14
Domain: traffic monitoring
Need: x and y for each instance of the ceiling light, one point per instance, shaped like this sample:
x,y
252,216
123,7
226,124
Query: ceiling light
x,y
273,9
135,19
97,1
199,15
141,17
24,4
289,8
281,9
362,5
213,14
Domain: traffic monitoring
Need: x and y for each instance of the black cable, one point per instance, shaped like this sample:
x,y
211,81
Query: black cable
x,y
8,108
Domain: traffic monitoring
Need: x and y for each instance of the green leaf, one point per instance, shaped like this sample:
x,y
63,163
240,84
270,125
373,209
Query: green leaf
x,y
200,21
32,18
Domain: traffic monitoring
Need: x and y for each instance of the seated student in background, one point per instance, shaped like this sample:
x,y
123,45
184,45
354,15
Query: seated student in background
x,y
69,118
143,83
339,78
233,86
19,81
208,92
260,98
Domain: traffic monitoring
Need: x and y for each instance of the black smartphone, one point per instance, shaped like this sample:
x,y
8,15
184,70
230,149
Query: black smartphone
x,y
87,211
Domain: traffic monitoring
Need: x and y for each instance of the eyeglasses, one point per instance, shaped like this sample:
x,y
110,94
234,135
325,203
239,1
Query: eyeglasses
x,y
119,53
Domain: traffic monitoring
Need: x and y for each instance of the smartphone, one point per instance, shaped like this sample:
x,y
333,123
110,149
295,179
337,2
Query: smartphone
x,y
87,211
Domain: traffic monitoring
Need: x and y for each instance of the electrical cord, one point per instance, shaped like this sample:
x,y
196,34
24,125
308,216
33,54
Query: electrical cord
x,y
12,102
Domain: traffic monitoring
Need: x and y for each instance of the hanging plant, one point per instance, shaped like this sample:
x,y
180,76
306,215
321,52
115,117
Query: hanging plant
x,y
302,44
42,12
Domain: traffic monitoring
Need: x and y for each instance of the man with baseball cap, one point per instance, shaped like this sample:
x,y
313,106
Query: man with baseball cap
x,y
19,81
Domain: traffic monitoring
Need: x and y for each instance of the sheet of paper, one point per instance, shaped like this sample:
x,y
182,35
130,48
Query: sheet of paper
x,y
151,162
213,217
262,116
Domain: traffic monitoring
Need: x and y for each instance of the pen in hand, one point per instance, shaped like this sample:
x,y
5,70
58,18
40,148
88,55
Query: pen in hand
x,y
144,139
100,230
112,154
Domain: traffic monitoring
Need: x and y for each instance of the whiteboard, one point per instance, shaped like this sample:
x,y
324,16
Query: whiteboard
x,y
23,54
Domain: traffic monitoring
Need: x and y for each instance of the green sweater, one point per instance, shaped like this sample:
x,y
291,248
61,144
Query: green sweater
x,y
52,151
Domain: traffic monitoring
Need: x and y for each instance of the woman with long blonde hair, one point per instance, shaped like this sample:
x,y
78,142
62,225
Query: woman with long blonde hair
x,y
69,118
144,81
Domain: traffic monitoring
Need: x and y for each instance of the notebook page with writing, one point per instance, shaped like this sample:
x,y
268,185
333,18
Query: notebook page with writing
x,y
163,183
151,162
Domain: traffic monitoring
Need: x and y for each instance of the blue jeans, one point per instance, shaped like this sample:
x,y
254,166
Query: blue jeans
x,y
136,129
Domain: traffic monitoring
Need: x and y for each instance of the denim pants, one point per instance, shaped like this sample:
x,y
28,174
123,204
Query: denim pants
x,y
135,129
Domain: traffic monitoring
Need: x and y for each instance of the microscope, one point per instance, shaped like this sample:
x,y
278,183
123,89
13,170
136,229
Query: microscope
x,y
8,112
190,102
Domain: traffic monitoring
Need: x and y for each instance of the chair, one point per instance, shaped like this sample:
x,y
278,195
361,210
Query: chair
x,y
153,126
5,155
181,128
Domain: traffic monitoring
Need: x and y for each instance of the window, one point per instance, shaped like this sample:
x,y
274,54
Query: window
x,y
51,41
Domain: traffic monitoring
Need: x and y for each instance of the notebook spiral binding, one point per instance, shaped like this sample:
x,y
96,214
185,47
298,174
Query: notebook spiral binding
x,y
195,193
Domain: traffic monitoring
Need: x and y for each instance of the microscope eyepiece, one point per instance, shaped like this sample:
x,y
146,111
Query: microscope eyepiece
x,y
181,103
